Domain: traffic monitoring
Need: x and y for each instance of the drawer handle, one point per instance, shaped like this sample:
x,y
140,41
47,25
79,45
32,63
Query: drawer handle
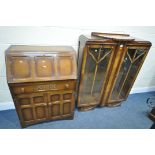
x,y
66,85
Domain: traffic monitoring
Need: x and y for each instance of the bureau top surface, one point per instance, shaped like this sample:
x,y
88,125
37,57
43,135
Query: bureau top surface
x,y
40,63
27,48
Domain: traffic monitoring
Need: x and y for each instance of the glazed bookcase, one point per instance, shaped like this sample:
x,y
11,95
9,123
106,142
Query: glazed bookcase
x,y
108,65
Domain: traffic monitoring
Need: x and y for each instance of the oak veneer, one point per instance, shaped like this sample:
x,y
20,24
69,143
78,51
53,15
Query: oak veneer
x,y
108,65
42,81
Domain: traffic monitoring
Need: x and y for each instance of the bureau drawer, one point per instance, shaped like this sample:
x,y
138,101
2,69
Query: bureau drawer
x,y
41,87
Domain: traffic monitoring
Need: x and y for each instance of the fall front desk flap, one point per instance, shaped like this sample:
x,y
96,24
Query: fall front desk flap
x,y
40,63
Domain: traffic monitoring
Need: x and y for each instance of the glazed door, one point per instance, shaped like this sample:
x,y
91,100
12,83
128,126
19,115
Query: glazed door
x,y
60,104
129,69
96,60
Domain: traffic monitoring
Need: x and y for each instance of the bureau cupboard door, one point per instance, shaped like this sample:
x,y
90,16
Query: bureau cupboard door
x,y
68,103
61,104
40,106
20,68
96,62
32,108
128,72
54,103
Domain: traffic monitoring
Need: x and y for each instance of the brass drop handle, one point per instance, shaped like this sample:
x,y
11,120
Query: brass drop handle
x,y
66,85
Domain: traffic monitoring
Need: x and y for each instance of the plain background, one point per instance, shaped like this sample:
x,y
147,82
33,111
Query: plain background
x,y
77,13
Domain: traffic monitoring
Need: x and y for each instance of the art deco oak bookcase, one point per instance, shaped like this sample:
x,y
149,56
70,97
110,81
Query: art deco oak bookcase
x,y
108,65
42,81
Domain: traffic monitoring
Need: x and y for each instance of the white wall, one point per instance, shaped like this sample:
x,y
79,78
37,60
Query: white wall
x,y
69,36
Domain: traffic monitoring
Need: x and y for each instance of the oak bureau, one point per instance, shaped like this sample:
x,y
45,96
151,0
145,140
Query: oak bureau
x,y
42,81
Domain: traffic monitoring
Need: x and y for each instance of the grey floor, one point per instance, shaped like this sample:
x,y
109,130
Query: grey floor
x,y
132,114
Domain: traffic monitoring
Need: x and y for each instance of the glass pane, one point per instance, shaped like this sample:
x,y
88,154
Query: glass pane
x,y
95,70
130,78
102,67
89,73
131,53
121,77
95,52
127,73
139,52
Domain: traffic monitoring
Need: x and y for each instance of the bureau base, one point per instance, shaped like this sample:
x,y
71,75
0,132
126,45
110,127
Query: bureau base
x,y
69,117
40,102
